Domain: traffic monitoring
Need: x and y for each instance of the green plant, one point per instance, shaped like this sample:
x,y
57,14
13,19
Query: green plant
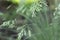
x,y
35,25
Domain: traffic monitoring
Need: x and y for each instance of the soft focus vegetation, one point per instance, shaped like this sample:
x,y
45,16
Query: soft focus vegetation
x,y
32,21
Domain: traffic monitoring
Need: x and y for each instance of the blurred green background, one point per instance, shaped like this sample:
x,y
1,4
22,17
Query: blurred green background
x,y
30,20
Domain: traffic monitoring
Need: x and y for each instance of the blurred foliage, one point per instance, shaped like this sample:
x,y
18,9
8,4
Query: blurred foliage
x,y
30,22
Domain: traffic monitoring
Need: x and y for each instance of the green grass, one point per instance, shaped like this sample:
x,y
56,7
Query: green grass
x,y
36,23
